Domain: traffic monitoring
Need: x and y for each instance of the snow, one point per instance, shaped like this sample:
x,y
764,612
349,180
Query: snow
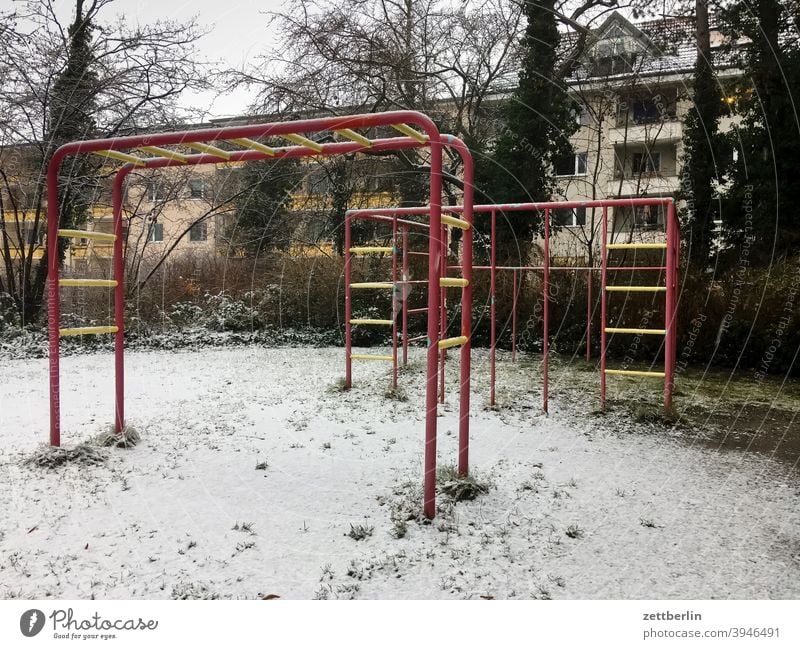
x,y
187,513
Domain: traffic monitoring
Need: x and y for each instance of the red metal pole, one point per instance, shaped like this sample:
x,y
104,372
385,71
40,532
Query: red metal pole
x,y
588,315
603,271
53,305
493,308
442,310
405,294
348,308
434,261
546,331
669,319
119,300
395,297
466,306
514,320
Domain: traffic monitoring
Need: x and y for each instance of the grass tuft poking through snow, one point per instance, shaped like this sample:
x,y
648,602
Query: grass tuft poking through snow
x,y
52,457
458,487
126,438
360,532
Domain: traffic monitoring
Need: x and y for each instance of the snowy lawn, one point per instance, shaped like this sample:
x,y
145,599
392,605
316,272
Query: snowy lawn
x,y
257,475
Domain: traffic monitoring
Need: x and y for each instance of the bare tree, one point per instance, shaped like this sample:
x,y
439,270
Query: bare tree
x,y
131,78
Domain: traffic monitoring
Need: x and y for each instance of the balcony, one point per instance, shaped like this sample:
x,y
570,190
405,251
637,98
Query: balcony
x,y
651,133
646,185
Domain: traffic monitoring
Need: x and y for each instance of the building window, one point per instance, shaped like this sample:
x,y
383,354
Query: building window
x,y
569,217
642,217
197,188
155,232
199,232
571,165
154,190
646,162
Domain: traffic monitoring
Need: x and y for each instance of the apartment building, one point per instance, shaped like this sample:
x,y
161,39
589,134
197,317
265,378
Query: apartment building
x,y
633,87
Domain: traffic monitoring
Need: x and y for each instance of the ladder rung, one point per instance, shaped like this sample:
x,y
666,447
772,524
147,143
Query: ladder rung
x,y
369,250
405,129
624,330
122,157
252,144
372,285
85,234
303,141
453,281
207,148
82,331
659,375
446,343
633,246
638,289
164,153
370,357
87,282
454,222
370,321
352,135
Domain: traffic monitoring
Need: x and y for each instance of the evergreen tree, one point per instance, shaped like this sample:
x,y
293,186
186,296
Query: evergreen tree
x,y
538,122
263,207
71,116
702,150
761,206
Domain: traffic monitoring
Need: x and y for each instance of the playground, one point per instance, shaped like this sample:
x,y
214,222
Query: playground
x,y
259,490
436,471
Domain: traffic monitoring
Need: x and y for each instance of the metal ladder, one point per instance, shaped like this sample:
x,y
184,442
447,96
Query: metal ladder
x,y
669,268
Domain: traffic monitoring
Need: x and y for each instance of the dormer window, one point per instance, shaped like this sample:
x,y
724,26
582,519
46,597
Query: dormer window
x,y
612,55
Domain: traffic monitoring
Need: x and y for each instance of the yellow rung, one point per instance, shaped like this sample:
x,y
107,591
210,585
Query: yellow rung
x,y
85,234
122,157
366,250
453,281
303,141
623,330
207,148
640,246
352,135
372,285
87,282
164,153
81,331
446,343
659,375
454,222
638,289
252,144
370,321
405,129
370,357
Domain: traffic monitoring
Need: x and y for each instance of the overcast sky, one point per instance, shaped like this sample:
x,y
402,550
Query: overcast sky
x,y
238,33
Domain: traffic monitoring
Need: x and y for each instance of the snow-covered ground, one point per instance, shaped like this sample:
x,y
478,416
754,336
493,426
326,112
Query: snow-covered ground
x,y
579,506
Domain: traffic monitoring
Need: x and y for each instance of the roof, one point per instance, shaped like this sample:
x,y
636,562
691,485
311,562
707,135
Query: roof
x,y
665,46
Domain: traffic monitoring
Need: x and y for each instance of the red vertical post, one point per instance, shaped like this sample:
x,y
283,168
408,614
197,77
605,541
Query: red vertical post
x,y
396,295
588,315
406,293
119,300
466,310
514,319
434,262
603,270
669,316
546,328
348,308
492,307
53,305
443,310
